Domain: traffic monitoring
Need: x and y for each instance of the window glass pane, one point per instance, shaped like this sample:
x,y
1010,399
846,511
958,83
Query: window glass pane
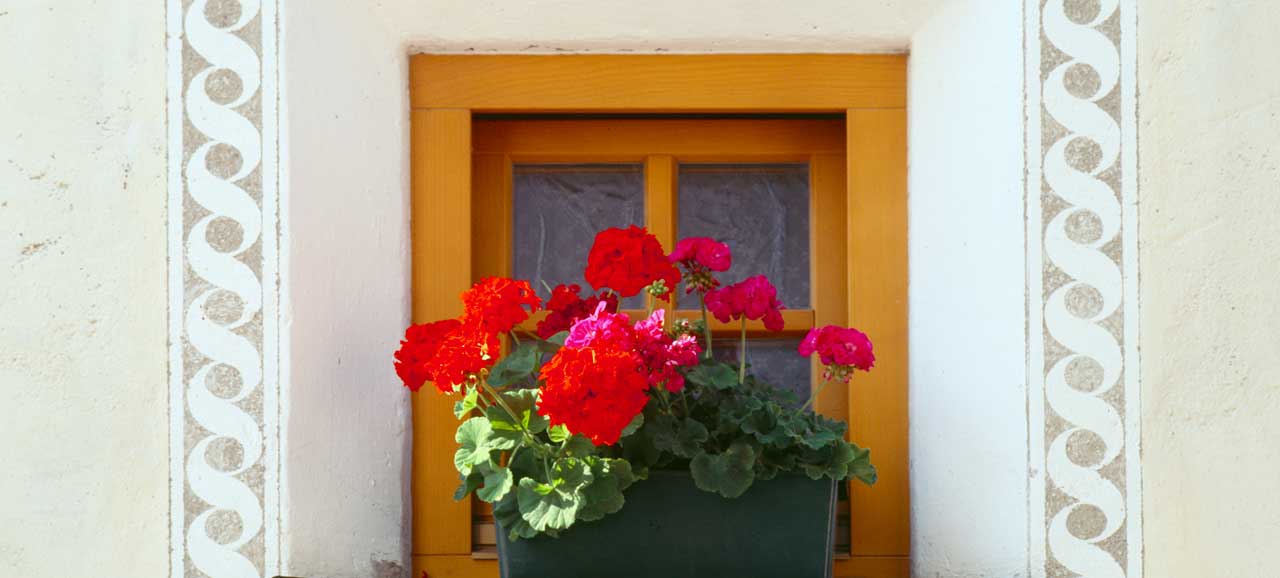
x,y
559,208
761,211
774,361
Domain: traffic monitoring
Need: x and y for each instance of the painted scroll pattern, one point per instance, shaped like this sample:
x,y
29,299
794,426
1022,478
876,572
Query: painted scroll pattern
x,y
1086,320
222,392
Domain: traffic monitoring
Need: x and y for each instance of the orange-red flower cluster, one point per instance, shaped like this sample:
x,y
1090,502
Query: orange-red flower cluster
x,y
594,391
598,402
627,261
498,304
421,342
451,352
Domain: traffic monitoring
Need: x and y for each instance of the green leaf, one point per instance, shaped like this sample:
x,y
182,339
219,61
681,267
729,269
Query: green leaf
x,y
468,485
715,375
682,438
473,437
464,406
507,512
559,433
545,506
506,427
634,426
689,439
497,482
640,451
604,495
516,366
553,343
728,474
860,467
524,464
580,447
663,428
505,433
570,474
821,438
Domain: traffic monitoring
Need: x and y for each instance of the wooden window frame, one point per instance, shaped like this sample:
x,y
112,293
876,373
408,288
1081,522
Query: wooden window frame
x,y
868,90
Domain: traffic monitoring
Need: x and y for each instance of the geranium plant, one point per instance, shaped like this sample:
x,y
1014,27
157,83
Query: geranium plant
x,y
553,432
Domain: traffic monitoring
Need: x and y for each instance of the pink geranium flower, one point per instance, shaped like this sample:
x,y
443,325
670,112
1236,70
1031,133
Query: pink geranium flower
x,y
753,298
702,251
661,354
601,327
841,349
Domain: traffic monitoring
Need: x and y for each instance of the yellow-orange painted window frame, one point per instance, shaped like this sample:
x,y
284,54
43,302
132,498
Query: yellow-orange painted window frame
x,y
869,90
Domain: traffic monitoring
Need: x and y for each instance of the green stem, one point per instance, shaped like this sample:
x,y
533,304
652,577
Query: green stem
x,y
706,324
814,396
528,436
662,397
742,353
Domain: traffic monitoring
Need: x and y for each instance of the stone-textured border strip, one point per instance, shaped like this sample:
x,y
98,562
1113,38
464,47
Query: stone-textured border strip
x,y
1082,289
224,263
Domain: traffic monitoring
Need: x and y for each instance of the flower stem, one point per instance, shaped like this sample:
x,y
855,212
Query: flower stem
x,y
742,353
529,438
706,324
662,397
813,396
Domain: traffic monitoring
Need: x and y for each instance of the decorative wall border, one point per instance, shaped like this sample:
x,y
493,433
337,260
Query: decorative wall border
x,y
1084,418
224,281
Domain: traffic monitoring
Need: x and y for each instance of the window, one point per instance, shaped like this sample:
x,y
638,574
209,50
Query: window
x,y
508,182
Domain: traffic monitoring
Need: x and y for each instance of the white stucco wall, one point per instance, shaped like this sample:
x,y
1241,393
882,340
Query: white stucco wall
x,y
1210,255
82,247
967,271
83,488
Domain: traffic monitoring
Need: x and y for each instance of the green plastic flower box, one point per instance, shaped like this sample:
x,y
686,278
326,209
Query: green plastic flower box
x,y
784,527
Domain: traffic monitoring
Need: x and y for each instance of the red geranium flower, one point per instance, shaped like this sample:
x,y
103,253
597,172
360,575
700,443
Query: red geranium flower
x,y
498,304
753,298
627,261
565,307
421,342
593,391
464,352
841,349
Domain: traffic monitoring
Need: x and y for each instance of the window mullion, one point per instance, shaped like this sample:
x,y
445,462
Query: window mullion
x,y
660,203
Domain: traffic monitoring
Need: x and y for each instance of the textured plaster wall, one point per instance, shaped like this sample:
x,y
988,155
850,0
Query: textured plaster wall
x,y
1210,135
83,486
967,275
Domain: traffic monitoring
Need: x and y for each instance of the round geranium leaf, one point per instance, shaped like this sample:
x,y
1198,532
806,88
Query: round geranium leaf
x,y
497,482
728,474
473,438
545,506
